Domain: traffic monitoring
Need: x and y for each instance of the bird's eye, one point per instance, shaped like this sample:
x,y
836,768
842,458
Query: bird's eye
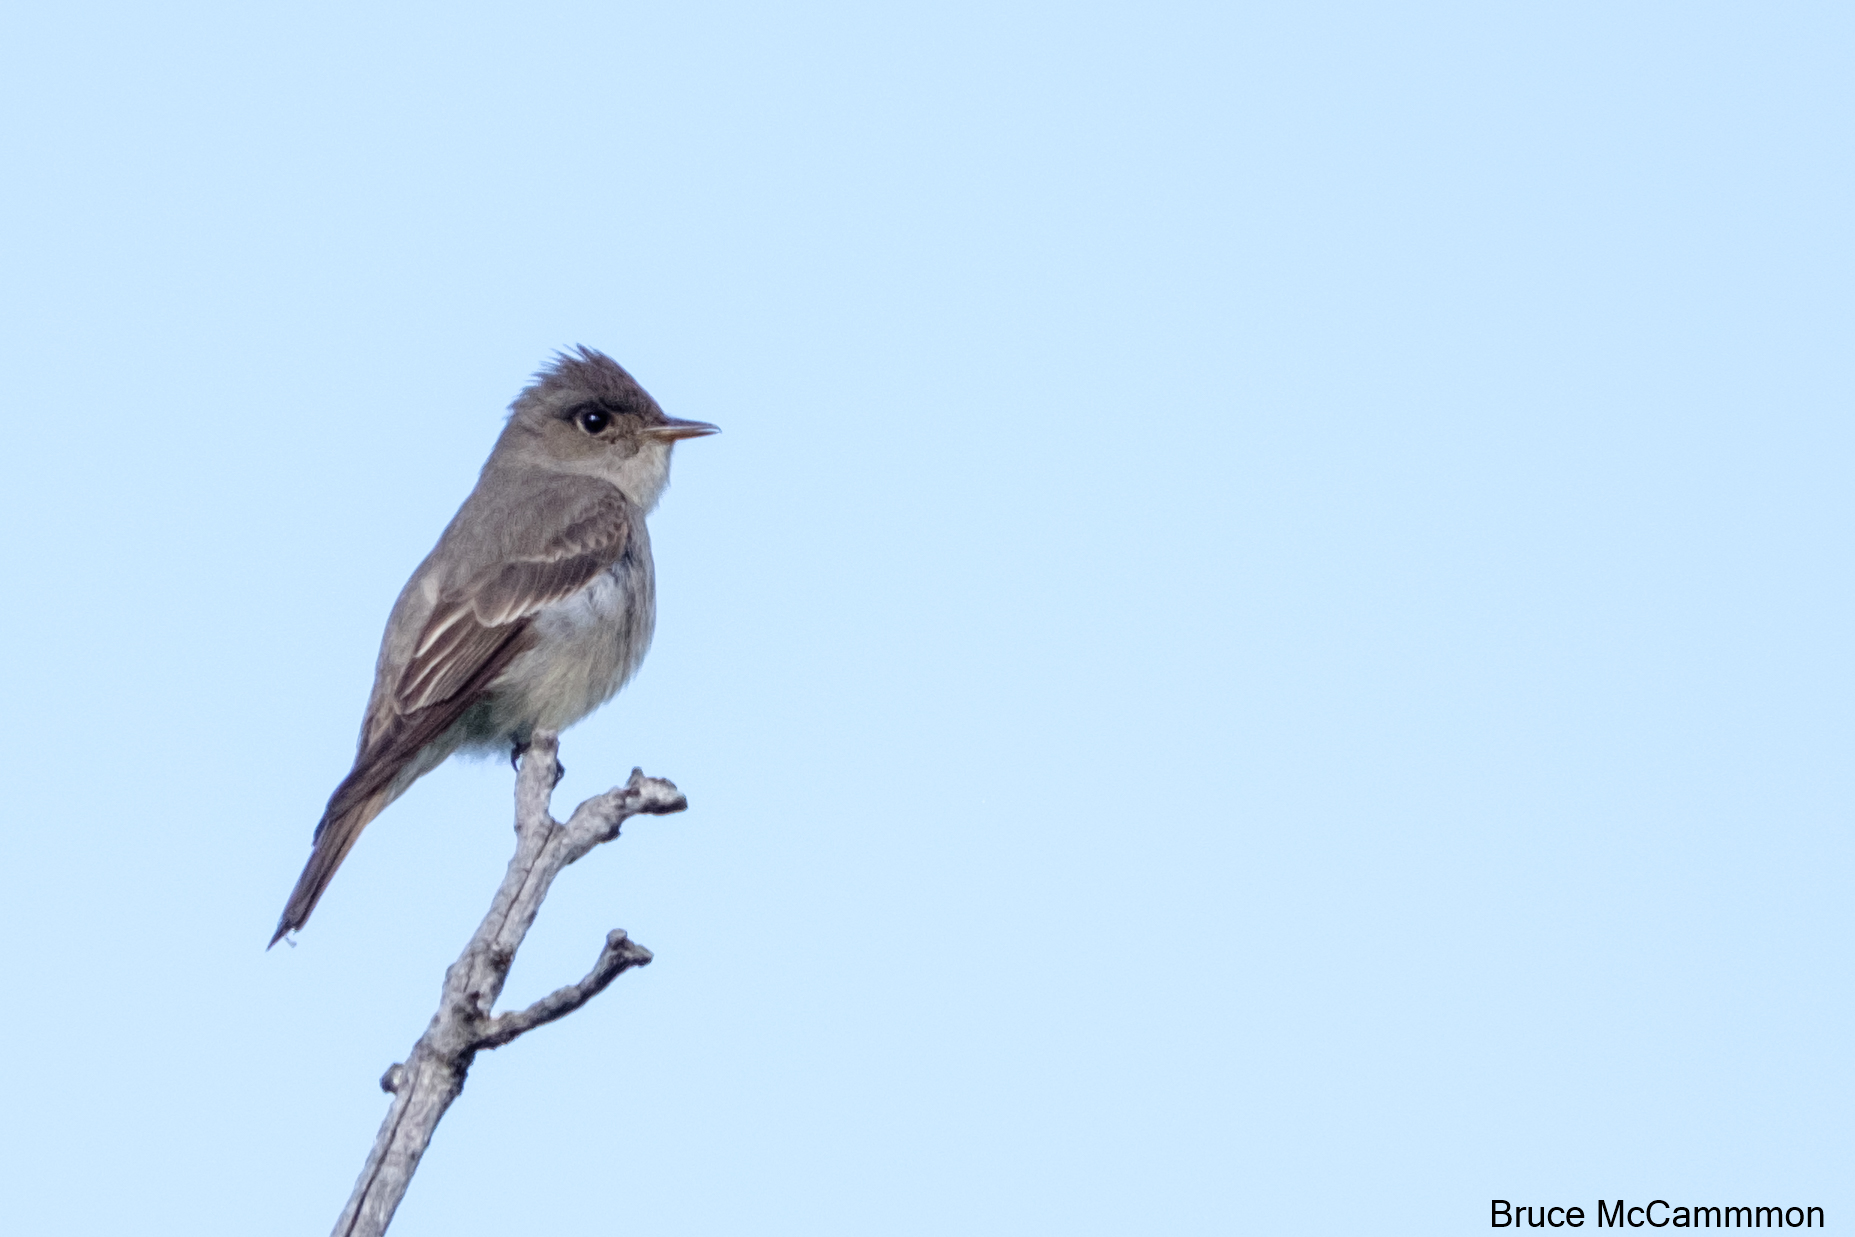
x,y
594,420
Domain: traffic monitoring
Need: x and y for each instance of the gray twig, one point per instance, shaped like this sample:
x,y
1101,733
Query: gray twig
x,y
433,1075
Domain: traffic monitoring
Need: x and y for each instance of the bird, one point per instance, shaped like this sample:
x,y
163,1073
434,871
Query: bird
x,y
534,608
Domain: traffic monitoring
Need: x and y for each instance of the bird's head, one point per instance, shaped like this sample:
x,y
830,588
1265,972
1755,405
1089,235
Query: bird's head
x,y
585,414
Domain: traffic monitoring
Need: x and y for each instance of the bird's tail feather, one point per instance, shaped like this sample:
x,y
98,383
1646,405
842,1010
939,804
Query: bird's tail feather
x,y
335,837
394,756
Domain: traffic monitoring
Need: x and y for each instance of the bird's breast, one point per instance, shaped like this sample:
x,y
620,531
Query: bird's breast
x,y
586,647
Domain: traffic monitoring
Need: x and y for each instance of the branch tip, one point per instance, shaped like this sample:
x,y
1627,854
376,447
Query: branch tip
x,y
618,942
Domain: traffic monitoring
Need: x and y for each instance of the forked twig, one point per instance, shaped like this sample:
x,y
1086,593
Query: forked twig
x,y
424,1086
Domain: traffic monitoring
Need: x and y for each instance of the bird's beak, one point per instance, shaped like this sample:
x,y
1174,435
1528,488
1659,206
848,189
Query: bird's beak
x,y
673,428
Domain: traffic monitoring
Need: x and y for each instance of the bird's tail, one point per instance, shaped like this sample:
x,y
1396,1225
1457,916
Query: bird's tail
x,y
335,837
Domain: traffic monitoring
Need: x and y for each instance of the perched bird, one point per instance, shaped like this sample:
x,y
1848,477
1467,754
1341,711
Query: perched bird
x,y
533,609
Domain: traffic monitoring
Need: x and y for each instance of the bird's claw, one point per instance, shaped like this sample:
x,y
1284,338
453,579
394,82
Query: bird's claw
x,y
519,749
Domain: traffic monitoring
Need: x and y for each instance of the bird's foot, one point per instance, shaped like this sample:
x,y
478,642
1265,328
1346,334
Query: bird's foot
x,y
519,749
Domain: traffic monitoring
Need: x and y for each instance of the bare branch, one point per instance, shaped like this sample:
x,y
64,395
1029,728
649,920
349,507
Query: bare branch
x,y
425,1085
620,954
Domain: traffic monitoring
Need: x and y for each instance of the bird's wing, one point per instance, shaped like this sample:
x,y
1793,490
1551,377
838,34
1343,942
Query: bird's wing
x,y
568,532
472,619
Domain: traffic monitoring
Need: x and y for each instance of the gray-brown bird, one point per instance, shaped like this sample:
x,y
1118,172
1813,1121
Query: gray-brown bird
x,y
533,609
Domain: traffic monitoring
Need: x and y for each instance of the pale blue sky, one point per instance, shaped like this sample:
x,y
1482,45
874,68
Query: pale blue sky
x,y
1266,647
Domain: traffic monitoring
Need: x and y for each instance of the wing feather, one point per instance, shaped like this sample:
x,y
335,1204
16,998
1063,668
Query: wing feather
x,y
471,620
